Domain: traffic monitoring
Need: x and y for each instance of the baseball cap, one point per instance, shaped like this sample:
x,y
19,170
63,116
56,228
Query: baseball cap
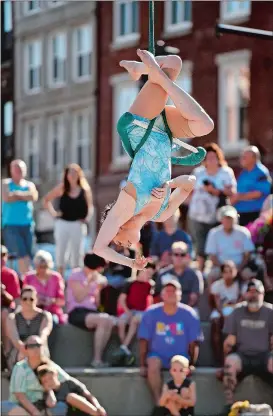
x,y
228,211
4,250
256,284
173,283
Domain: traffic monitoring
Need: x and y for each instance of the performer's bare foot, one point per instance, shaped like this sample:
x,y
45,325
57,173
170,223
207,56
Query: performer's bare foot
x,y
135,69
155,72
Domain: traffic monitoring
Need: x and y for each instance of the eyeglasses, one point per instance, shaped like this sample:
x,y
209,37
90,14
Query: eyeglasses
x,y
26,299
32,346
179,254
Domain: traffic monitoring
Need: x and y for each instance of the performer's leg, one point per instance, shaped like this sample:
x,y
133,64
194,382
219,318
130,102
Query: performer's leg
x,y
152,98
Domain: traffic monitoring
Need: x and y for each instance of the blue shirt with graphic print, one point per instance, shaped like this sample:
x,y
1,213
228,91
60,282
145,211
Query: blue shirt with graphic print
x,y
169,335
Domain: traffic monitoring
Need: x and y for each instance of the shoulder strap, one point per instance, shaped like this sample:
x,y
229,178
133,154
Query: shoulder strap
x,y
146,135
169,133
186,383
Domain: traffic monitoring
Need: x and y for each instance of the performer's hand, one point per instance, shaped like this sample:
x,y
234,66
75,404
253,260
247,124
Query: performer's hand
x,y
139,263
159,193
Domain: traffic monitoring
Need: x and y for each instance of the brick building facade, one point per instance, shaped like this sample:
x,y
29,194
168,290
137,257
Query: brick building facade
x,y
231,77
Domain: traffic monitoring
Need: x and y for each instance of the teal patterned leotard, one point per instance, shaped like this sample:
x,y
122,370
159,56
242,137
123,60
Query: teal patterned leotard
x,y
151,165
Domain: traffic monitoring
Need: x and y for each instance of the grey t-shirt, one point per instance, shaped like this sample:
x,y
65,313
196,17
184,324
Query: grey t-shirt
x,y
72,385
252,329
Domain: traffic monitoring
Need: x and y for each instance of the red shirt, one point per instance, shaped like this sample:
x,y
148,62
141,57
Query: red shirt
x,y
10,279
138,295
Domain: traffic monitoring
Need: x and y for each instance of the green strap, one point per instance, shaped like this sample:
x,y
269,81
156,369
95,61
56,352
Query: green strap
x,y
146,135
151,27
168,130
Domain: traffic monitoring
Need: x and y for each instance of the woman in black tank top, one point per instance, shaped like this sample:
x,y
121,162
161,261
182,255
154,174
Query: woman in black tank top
x,y
75,211
178,396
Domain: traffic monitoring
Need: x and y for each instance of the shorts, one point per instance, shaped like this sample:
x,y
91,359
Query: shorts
x,y
254,364
199,232
19,239
125,317
59,410
78,315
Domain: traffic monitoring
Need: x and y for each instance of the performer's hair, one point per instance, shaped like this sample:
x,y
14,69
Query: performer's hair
x,y
106,211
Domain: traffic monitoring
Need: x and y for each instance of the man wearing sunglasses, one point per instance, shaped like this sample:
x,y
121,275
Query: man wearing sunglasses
x,y
180,270
26,392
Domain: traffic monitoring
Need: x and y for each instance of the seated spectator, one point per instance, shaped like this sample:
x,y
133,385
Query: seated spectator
x,y
228,241
167,329
71,391
179,393
163,240
26,393
10,293
249,329
27,321
135,298
83,299
190,280
225,293
49,286
253,186
117,273
260,227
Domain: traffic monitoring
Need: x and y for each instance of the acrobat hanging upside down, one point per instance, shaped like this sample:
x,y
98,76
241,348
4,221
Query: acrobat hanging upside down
x,y
147,131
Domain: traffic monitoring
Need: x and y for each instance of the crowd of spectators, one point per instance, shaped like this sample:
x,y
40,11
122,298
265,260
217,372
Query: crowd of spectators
x,y
225,255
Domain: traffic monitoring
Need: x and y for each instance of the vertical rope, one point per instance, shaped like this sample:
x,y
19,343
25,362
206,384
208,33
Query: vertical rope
x,y
151,27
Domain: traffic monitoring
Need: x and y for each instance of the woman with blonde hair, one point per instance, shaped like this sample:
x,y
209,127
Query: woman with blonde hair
x,y
75,211
215,182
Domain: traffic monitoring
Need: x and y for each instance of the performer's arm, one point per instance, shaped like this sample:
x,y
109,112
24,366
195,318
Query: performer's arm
x,y
121,212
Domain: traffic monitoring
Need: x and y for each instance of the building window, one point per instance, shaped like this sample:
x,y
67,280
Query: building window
x,y
235,9
233,99
8,118
56,3
58,55
124,94
57,157
33,57
83,52
184,81
31,7
178,16
82,138
126,21
32,148
7,16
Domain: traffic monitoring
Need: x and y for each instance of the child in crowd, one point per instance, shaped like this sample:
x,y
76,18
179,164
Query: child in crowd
x,y
178,395
135,298
71,391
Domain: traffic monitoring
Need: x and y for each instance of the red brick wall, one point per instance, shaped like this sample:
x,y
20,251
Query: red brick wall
x,y
200,46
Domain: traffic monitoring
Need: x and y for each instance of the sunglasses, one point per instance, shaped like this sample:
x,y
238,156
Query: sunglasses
x,y
26,299
32,346
179,254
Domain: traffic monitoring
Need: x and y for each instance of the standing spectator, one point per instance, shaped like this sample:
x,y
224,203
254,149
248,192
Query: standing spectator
x,y
224,294
163,240
135,298
249,329
167,329
10,292
75,211
190,280
26,392
254,185
228,241
49,286
215,182
83,300
29,320
17,214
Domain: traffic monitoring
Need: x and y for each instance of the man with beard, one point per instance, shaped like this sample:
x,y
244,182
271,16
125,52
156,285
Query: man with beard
x,y
250,330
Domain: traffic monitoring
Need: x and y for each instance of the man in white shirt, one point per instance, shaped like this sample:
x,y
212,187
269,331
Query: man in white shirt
x,y
228,241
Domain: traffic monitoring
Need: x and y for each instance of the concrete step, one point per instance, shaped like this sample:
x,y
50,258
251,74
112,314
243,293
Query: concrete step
x,y
73,347
124,392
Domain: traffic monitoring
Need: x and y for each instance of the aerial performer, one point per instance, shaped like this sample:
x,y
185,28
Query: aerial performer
x,y
147,133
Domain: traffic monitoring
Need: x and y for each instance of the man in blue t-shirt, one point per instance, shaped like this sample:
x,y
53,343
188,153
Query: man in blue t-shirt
x,y
167,329
253,186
